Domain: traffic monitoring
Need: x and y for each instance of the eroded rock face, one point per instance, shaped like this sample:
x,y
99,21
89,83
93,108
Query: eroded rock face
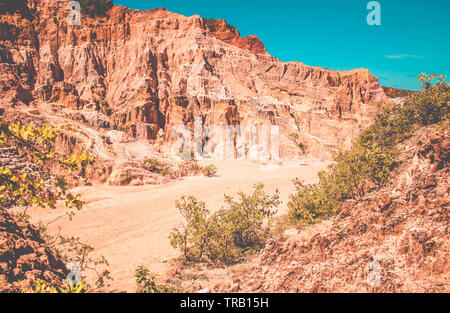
x,y
158,69
229,34
25,257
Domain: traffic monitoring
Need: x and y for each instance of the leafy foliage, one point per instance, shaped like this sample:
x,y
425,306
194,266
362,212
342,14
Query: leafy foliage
x,y
30,190
41,286
238,227
192,236
210,170
228,234
156,166
369,163
146,282
36,143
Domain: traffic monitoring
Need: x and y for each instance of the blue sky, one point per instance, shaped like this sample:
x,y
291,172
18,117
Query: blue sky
x,y
414,35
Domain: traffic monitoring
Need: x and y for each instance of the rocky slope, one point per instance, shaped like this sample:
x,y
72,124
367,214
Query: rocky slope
x,y
154,70
396,93
25,257
393,240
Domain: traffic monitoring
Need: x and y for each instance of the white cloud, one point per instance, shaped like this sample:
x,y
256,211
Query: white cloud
x,y
403,56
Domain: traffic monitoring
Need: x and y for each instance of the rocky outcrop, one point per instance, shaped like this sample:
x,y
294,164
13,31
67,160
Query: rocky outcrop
x,y
229,34
25,257
393,240
157,70
397,93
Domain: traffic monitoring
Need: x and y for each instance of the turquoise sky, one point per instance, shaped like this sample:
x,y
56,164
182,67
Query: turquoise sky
x,y
414,35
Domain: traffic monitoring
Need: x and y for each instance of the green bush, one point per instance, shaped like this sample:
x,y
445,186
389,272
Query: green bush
x,y
230,233
40,286
192,236
430,106
310,203
146,282
238,227
156,166
369,163
210,170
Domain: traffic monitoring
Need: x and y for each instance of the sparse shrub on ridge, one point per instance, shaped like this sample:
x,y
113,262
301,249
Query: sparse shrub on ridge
x,y
370,161
227,235
156,166
105,108
146,282
210,170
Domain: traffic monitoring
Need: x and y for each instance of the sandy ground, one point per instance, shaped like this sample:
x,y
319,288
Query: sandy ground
x,y
130,225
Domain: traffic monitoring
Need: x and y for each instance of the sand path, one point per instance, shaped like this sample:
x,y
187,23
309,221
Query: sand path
x,y
130,225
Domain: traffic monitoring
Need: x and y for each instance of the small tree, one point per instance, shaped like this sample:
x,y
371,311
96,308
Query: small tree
x,y
227,235
238,227
192,236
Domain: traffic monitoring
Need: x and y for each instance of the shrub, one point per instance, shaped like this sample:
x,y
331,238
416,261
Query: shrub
x,y
29,189
40,286
191,238
210,170
146,282
369,163
238,227
310,203
156,166
17,186
230,233
430,106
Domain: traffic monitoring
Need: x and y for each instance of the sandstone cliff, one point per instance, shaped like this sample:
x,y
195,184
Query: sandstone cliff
x,y
156,69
